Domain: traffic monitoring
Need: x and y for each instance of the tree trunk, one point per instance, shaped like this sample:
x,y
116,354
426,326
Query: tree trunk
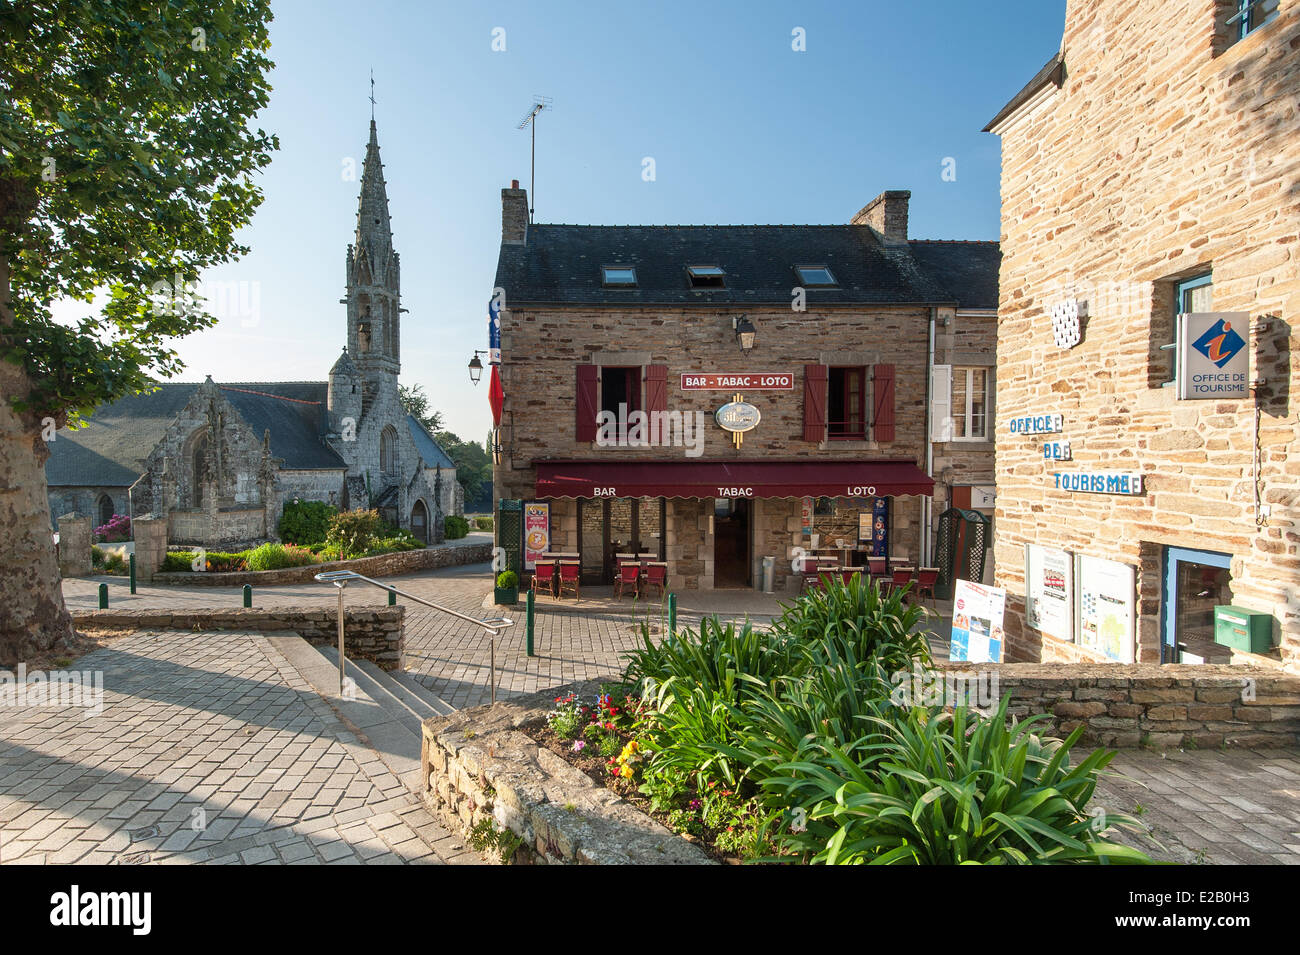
x,y
33,617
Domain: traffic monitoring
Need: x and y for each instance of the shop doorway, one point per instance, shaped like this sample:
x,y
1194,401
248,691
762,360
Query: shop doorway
x,y
612,526
1195,582
731,533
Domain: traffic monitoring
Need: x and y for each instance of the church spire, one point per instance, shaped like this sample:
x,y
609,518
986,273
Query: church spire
x,y
374,231
374,285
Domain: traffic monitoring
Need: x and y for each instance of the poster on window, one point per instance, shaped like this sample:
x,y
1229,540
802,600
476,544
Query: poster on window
x,y
977,623
1105,611
537,532
1049,591
806,516
880,527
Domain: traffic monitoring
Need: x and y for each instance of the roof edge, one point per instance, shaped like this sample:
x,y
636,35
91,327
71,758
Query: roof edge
x,y
1052,72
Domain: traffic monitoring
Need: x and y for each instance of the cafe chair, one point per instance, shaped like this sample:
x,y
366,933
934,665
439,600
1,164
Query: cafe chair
x,y
901,577
545,575
629,575
926,578
876,567
656,575
846,574
569,578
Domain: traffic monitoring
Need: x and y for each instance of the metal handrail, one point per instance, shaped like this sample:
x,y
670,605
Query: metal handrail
x,y
340,578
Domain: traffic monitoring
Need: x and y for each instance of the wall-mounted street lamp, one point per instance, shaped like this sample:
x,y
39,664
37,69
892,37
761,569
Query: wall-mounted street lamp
x,y
476,366
744,332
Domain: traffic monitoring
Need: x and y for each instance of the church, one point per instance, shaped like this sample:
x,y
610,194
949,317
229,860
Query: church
x,y
220,460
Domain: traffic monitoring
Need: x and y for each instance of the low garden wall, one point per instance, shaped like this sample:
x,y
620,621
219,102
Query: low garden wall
x,y
1149,704
376,633
454,554
482,774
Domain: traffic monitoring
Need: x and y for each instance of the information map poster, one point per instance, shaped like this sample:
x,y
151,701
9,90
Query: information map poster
x,y
537,532
1049,591
977,623
1106,604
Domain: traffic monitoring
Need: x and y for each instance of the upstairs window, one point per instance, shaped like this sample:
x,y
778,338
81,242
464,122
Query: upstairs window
x,y
970,403
1248,16
620,386
618,276
1190,295
815,276
846,403
706,276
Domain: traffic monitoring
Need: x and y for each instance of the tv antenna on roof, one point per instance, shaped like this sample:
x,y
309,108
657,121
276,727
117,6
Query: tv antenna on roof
x,y
530,119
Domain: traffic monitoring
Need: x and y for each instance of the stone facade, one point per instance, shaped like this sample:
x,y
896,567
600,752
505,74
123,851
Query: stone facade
x,y
1161,148
543,343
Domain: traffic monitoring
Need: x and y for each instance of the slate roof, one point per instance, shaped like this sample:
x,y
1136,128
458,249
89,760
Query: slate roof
x,y
968,270
428,448
111,450
561,264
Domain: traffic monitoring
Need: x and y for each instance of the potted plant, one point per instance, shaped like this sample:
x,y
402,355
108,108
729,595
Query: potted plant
x,y
507,588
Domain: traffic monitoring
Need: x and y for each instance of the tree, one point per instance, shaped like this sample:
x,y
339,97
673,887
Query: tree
x,y
416,402
473,467
126,164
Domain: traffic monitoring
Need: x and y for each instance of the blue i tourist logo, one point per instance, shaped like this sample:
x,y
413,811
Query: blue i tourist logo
x,y
1219,343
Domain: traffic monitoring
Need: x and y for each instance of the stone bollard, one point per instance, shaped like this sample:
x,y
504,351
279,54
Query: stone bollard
x,y
150,545
74,546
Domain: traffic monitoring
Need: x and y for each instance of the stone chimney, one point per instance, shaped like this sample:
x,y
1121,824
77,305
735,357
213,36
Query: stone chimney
x,y
514,214
887,215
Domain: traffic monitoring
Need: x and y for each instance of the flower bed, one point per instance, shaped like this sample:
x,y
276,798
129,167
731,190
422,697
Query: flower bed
x,y
793,745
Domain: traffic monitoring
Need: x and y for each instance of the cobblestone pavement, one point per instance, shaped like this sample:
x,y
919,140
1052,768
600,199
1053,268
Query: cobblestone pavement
x,y
209,748
1200,806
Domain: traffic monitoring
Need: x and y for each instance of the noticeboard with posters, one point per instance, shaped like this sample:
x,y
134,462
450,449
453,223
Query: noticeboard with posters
x,y
977,613
1105,603
1049,591
537,532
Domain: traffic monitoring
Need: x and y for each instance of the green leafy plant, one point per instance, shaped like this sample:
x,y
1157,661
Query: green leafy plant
x,y
946,788
454,527
306,522
483,523
569,717
486,836
507,579
272,556
354,532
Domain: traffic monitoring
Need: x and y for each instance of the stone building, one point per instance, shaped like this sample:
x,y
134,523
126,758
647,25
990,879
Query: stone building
x,y
836,351
220,460
1150,171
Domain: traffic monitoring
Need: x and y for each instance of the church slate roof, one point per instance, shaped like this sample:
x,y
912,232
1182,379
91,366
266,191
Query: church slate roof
x,y
111,450
428,448
561,265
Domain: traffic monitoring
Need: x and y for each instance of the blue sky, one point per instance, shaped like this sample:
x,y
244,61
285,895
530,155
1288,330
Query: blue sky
x,y
742,129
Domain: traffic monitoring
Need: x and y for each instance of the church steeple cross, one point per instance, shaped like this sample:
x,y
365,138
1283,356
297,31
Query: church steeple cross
x,y
372,95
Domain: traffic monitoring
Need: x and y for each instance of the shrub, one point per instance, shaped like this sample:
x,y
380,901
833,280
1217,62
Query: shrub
x,y
217,561
114,563
483,523
507,579
952,788
454,527
354,532
117,529
306,522
271,556
96,556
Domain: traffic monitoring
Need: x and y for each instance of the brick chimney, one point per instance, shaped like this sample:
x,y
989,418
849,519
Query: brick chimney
x,y
887,215
514,214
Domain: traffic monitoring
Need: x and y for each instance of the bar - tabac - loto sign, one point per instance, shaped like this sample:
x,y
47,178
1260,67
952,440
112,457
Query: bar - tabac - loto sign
x,y
745,381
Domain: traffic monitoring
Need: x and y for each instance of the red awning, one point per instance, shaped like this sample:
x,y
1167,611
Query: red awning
x,y
707,479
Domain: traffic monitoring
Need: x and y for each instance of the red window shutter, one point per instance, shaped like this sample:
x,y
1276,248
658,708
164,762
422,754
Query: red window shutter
x,y
814,403
883,427
585,406
656,396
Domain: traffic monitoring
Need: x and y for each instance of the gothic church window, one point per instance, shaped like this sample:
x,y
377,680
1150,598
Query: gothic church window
x,y
388,450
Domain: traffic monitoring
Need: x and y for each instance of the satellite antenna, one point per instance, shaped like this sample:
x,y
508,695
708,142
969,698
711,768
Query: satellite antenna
x,y
530,119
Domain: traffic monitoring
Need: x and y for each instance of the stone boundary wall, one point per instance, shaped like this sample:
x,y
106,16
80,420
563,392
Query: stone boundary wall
x,y
1148,704
375,633
477,766
384,565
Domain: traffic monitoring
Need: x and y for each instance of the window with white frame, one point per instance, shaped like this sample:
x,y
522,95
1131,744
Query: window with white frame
x,y
970,402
